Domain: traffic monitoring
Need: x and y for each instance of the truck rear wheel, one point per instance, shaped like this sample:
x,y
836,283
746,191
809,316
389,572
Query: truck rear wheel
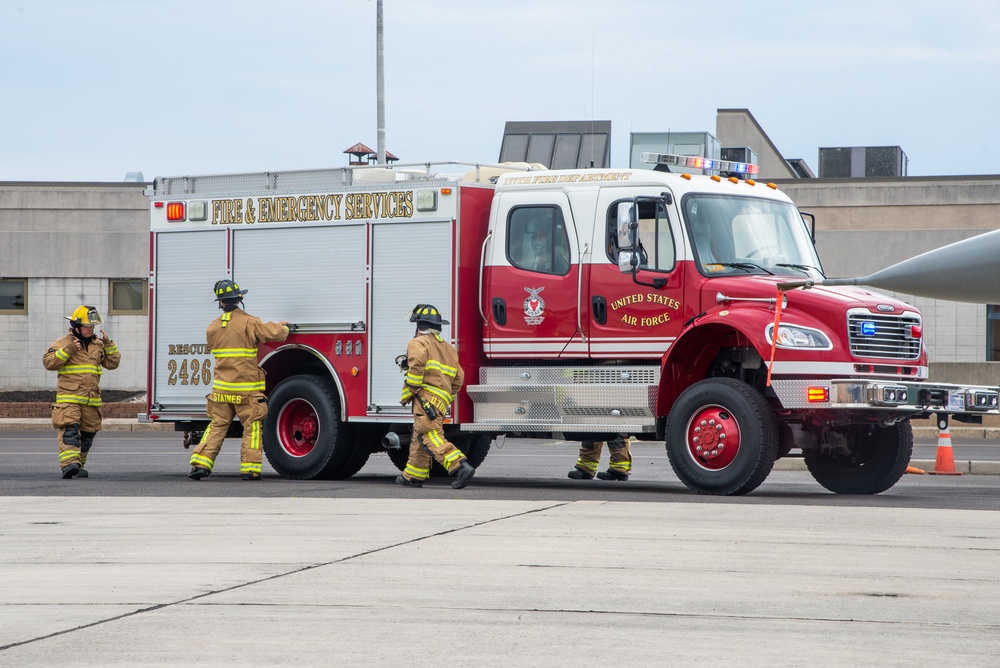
x,y
304,437
722,437
874,459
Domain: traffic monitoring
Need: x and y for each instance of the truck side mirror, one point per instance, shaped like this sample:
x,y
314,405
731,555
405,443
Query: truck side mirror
x,y
627,263
628,225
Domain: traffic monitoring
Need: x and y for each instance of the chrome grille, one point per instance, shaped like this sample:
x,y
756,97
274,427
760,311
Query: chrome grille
x,y
891,339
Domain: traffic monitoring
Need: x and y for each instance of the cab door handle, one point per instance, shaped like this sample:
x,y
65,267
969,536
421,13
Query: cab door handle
x,y
500,311
599,307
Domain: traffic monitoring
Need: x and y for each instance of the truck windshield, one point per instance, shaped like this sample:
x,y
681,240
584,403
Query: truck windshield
x,y
738,235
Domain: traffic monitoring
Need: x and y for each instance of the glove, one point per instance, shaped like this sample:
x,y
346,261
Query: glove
x,y
429,409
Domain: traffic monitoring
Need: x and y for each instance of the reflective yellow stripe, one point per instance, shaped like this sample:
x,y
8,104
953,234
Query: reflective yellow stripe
x,y
92,369
435,438
406,394
621,466
442,367
199,460
414,473
413,379
68,454
255,437
250,467
62,354
251,386
452,457
111,350
586,466
234,352
75,399
439,393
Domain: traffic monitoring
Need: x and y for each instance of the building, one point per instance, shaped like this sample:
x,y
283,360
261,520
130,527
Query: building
x,y
63,245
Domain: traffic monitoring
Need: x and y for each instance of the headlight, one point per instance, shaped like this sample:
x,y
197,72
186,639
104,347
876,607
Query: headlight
x,y
794,336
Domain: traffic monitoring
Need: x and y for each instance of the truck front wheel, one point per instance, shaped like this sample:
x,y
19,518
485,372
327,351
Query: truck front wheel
x,y
722,437
304,437
869,459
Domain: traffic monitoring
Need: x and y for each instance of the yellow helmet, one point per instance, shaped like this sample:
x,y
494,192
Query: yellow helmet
x,y
87,316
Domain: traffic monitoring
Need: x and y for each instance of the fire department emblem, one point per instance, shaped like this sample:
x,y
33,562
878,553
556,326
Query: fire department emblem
x,y
534,306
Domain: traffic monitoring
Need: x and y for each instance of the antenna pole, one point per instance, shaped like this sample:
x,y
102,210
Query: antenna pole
x,y
380,79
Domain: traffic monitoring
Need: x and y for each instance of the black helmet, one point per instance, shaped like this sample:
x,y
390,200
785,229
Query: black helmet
x,y
425,314
226,290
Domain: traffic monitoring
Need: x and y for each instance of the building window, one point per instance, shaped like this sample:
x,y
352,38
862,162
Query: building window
x,y
128,296
13,296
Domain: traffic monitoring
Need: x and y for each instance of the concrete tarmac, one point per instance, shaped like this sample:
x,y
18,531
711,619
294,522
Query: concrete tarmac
x,y
96,581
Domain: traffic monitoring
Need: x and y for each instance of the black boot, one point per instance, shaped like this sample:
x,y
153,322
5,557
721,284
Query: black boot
x,y
70,470
84,473
249,476
612,474
577,474
463,474
198,472
406,482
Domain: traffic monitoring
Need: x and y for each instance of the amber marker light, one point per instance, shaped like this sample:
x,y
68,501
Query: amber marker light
x,y
445,191
818,394
354,371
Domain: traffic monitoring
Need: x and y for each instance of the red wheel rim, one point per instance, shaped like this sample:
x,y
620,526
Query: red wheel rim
x,y
298,428
713,438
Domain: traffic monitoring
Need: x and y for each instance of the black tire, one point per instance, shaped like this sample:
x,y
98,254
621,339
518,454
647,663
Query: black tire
x,y
749,445
875,460
475,447
355,462
304,437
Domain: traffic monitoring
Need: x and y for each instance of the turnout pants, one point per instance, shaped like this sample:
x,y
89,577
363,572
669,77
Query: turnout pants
x,y
251,410
76,425
428,443
590,456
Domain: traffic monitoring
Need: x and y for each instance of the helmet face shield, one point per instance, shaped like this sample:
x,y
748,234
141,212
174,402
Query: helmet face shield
x,y
85,316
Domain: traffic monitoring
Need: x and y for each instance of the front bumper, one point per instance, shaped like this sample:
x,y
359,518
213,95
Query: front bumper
x,y
887,395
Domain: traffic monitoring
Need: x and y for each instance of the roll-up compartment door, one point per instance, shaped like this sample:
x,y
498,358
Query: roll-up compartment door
x,y
412,263
304,275
187,265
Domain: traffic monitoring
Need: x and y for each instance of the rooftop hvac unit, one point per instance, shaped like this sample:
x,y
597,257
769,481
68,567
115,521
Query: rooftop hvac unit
x,y
862,161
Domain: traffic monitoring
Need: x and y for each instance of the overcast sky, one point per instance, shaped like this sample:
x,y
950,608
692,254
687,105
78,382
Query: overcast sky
x,y
92,89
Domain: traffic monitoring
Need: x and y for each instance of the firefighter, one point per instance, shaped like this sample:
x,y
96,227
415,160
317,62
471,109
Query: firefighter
x,y
238,385
433,379
78,357
619,467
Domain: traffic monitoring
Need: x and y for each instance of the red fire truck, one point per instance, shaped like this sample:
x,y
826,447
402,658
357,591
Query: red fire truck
x,y
583,303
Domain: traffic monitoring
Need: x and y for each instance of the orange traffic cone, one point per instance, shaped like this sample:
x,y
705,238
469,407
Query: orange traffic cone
x,y
914,470
944,462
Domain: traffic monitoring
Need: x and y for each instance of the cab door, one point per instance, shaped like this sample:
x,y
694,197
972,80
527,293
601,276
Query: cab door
x,y
636,315
531,301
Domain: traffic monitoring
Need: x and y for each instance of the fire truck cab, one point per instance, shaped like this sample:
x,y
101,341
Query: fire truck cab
x,y
583,304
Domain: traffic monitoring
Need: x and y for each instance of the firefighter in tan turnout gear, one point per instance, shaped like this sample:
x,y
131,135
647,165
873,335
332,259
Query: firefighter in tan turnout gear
x,y
433,379
619,467
78,357
238,383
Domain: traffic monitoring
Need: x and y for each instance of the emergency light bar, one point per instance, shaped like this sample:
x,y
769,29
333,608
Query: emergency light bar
x,y
695,162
